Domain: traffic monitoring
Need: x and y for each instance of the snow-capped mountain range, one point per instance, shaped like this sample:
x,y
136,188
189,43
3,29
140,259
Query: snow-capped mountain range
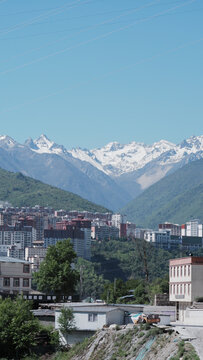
x,y
111,175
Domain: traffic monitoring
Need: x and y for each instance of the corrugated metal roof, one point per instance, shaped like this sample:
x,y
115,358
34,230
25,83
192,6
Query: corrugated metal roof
x,y
90,309
13,260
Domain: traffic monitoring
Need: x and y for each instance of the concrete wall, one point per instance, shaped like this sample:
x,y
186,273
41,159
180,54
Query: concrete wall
x,y
193,317
197,276
76,337
115,317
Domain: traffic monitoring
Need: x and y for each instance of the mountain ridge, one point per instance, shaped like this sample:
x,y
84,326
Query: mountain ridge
x,y
21,190
110,176
178,197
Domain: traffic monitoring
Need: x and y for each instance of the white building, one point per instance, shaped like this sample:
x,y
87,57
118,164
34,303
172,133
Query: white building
x,y
192,228
35,255
118,219
15,276
185,283
91,317
159,238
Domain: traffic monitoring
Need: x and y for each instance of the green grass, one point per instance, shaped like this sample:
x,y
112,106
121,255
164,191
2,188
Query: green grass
x,y
185,352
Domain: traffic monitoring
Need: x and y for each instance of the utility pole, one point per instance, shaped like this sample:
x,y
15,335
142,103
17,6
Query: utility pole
x,y
81,281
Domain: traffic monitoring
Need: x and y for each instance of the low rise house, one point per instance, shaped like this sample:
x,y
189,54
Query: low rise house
x,y
91,317
15,276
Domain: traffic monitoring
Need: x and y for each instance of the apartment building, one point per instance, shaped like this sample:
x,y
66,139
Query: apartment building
x,y
175,229
15,276
9,235
192,228
158,238
185,283
79,233
102,232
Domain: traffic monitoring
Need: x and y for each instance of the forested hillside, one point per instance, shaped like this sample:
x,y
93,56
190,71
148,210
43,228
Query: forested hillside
x,y
20,190
177,198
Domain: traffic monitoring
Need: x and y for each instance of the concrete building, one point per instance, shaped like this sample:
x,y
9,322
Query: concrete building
x,y
80,238
175,229
15,251
119,221
15,238
185,283
91,317
131,230
192,228
158,238
35,255
102,232
15,276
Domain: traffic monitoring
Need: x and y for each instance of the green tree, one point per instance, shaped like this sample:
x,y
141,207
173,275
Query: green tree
x,y
66,321
57,274
141,294
91,284
18,328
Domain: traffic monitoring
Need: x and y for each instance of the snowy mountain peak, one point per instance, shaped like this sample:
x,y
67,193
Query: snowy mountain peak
x,y
7,142
116,159
43,142
43,145
113,146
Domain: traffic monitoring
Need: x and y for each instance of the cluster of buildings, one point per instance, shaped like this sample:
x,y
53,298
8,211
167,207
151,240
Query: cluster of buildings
x,y
188,236
27,232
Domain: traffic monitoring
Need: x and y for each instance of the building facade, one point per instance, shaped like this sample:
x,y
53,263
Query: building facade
x,y
185,283
15,276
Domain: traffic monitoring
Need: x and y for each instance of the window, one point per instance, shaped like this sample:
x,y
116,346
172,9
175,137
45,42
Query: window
x,y
185,270
16,282
188,289
188,270
6,281
171,271
25,282
26,268
181,271
180,288
177,270
174,271
92,317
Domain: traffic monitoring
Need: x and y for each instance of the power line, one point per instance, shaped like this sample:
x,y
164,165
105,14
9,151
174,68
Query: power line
x,y
109,21
105,35
44,15
78,28
95,78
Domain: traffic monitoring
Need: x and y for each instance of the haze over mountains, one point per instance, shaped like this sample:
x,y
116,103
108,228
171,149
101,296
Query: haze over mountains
x,y
111,176
177,198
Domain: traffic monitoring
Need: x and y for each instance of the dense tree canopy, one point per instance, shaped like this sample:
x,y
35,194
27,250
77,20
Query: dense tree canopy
x,y
131,259
57,274
18,328
91,284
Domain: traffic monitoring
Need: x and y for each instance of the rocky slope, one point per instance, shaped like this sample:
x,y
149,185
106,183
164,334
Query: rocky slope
x,y
136,343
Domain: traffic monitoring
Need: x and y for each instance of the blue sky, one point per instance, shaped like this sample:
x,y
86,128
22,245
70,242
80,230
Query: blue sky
x,y
87,72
